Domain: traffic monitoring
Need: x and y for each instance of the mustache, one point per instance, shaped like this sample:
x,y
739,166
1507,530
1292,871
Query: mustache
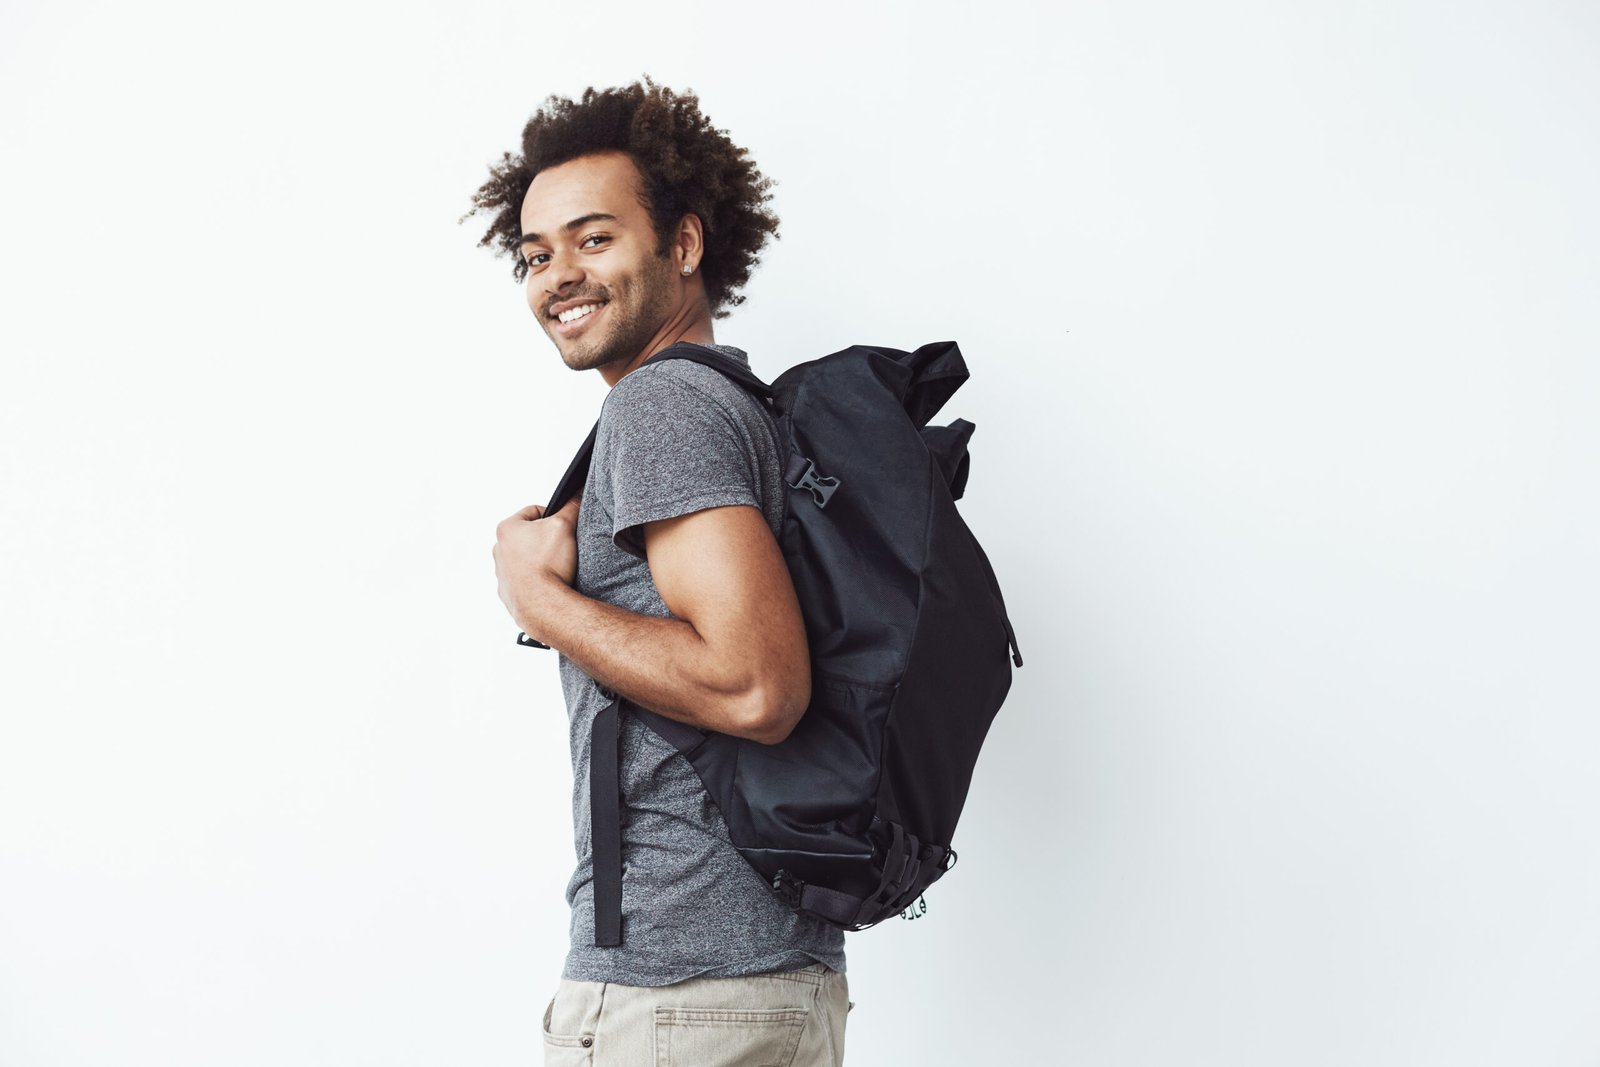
x,y
569,299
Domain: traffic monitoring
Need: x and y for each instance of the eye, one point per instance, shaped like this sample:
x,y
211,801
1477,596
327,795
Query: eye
x,y
533,260
594,237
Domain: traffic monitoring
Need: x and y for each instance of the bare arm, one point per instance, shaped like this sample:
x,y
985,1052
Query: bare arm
x,y
734,659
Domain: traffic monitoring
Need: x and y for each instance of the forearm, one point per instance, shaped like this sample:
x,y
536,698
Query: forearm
x,y
658,662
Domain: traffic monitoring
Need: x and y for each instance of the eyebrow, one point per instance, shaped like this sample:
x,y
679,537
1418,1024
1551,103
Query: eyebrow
x,y
593,216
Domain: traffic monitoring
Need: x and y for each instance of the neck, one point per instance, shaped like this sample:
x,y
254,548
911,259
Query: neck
x,y
689,323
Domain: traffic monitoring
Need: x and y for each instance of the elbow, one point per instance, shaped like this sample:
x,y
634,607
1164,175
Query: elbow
x,y
777,712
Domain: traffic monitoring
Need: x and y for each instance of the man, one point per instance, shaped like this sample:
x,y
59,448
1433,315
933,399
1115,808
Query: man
x,y
634,223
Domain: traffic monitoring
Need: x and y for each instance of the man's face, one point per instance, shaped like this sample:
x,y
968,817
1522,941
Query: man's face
x,y
607,260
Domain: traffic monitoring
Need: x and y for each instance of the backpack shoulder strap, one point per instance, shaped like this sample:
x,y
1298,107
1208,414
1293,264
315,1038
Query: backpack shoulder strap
x,y
710,357
571,483
577,472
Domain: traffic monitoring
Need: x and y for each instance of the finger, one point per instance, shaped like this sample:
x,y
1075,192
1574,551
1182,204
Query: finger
x,y
571,503
532,511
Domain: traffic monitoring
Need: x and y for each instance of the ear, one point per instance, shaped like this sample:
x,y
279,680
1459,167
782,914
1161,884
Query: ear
x,y
688,244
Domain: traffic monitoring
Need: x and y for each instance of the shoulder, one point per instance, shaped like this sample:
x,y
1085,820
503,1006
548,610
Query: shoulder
x,y
676,375
681,386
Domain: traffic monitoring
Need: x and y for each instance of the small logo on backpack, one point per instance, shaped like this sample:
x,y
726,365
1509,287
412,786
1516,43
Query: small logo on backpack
x,y
917,910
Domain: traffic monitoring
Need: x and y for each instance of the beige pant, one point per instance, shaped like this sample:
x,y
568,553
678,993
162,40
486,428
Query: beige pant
x,y
781,1019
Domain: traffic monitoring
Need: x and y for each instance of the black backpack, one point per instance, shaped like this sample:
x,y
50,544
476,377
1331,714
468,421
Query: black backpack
x,y
850,817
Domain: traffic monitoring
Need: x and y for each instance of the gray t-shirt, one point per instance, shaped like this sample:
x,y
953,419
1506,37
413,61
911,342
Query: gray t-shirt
x,y
674,437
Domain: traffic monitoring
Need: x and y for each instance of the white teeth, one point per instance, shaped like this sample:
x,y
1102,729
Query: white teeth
x,y
577,312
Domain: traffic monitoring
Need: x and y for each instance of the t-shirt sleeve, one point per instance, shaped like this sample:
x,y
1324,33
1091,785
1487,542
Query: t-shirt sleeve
x,y
670,448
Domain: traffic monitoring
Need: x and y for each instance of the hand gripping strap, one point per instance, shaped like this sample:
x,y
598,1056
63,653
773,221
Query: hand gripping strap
x,y
571,483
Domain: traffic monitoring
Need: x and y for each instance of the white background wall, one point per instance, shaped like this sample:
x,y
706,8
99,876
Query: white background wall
x,y
1282,326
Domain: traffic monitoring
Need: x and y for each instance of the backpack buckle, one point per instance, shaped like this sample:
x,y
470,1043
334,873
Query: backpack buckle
x,y
821,487
788,888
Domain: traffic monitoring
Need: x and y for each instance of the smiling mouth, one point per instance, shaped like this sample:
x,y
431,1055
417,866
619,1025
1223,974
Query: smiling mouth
x,y
575,319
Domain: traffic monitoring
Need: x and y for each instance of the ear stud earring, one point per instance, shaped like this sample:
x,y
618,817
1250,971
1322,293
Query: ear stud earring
x,y
688,269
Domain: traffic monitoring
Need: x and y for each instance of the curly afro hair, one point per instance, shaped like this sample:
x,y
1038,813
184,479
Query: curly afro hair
x,y
687,166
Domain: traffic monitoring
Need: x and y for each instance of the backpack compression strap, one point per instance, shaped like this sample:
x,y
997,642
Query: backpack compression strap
x,y
901,868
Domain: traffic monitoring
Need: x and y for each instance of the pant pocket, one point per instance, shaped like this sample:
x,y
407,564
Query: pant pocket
x,y
565,1050
724,1037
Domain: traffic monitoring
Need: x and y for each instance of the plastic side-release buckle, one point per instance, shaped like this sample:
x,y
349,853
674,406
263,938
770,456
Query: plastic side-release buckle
x,y
820,486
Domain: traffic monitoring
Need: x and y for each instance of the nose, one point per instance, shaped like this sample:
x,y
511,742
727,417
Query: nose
x,y
562,272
